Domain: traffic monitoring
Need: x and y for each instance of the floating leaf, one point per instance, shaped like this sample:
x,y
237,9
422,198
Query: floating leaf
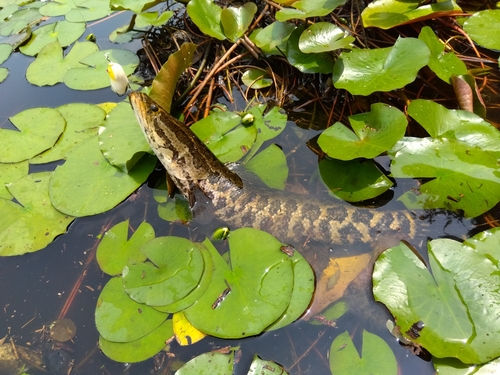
x,y
165,82
373,133
209,363
5,51
454,299
354,180
87,173
324,37
39,129
175,269
263,276
33,223
484,28
63,31
376,357
136,6
308,8
88,10
82,121
256,78
390,13
121,140
50,66
362,72
445,65
236,20
116,250
306,63
9,173
119,319
206,15
147,19
223,133
262,367
91,73
272,37
303,289
271,167
452,366
185,333
141,349
62,330
4,72
14,20
462,157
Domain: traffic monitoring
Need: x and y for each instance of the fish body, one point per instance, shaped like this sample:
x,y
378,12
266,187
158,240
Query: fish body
x,y
291,218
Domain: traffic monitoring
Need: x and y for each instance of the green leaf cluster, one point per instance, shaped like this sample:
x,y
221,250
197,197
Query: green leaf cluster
x,y
165,275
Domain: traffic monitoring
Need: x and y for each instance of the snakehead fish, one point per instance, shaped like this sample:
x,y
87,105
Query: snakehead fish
x,y
197,172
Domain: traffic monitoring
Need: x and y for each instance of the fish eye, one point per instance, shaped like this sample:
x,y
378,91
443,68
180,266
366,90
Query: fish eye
x,y
153,108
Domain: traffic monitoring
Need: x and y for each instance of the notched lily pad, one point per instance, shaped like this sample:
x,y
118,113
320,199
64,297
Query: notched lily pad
x,y
453,300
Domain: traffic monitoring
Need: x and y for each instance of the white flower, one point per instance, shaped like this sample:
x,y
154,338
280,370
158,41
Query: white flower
x,y
117,77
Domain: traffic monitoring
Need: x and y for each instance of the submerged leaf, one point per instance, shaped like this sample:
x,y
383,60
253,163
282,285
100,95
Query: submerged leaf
x,y
271,167
33,223
362,72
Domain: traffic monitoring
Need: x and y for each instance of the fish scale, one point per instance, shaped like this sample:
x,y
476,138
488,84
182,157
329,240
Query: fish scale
x,y
289,217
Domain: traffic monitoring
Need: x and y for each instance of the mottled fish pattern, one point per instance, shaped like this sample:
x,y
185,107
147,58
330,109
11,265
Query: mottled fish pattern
x,y
289,217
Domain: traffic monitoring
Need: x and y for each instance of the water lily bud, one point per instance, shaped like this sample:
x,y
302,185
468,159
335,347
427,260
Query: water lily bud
x,y
118,78
247,119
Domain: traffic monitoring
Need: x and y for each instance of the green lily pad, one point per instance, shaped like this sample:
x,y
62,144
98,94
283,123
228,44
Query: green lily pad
x,y
362,72
308,8
236,20
39,129
121,141
87,173
389,13
165,82
306,62
14,20
272,37
140,349
455,299
445,65
324,37
376,357
373,133
136,6
82,121
9,173
115,249
88,10
91,73
4,72
50,66
452,366
271,167
263,367
175,270
199,290
120,319
63,31
5,51
206,15
263,276
209,363
256,78
354,180
484,28
33,223
303,290
224,135
462,157
147,19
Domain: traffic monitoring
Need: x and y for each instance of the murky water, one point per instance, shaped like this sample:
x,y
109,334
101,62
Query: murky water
x,y
64,280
